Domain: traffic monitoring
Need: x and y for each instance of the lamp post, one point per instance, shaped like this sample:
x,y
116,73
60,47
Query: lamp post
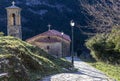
x,y
72,23
62,33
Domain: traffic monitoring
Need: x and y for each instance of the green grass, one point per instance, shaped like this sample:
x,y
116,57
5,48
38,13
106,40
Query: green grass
x,y
31,61
111,70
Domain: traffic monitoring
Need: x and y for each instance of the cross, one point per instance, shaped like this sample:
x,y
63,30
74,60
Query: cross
x,y
13,3
49,26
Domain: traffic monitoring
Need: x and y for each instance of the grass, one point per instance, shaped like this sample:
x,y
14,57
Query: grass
x,y
31,62
110,70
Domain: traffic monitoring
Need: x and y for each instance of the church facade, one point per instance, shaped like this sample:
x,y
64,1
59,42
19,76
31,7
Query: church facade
x,y
53,42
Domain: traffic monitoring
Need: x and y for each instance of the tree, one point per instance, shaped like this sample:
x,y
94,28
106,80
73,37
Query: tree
x,y
104,13
106,47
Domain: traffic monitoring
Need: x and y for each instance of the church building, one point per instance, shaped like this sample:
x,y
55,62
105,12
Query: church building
x,y
14,21
53,42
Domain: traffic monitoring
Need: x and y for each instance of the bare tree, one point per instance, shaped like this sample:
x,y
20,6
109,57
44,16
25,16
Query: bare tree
x,y
105,13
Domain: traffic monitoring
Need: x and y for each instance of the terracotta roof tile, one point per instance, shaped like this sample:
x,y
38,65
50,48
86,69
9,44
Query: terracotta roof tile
x,y
47,40
52,33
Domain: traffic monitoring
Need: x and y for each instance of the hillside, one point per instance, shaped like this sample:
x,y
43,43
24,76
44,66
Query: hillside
x,y
25,62
90,16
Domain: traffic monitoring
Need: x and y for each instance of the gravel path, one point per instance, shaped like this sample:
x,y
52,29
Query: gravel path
x,y
85,73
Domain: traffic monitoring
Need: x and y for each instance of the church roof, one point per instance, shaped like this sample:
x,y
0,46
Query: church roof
x,y
13,6
52,33
48,40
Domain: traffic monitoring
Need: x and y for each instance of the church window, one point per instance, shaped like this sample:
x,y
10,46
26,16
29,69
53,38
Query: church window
x,y
49,37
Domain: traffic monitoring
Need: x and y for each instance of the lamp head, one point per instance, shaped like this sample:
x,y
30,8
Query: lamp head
x,y
62,33
72,23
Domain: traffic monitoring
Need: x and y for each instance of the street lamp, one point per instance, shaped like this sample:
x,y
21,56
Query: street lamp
x,y
72,23
62,33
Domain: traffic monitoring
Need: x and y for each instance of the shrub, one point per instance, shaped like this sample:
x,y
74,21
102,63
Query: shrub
x,y
1,34
106,47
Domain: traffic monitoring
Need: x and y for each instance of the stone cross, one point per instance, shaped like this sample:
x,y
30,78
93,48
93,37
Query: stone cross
x,y
13,3
49,26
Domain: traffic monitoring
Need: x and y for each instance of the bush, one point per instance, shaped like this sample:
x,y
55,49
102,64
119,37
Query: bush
x,y
106,47
1,34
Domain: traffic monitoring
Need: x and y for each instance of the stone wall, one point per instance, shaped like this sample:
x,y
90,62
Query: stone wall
x,y
58,48
51,48
14,22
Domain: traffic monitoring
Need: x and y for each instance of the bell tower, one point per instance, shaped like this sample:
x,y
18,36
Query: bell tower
x,y
14,21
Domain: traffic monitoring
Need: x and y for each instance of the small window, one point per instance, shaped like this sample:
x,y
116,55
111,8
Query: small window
x,y
49,38
48,47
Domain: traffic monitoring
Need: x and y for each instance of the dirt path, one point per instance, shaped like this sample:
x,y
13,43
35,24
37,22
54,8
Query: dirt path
x,y
85,73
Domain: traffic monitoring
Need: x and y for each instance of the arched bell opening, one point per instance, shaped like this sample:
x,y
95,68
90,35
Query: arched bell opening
x,y
13,19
